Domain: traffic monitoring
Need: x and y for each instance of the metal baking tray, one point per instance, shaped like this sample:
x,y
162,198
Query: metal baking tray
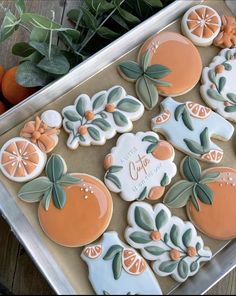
x,y
223,262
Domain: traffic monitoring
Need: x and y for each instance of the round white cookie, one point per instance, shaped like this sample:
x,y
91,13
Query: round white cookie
x,y
52,118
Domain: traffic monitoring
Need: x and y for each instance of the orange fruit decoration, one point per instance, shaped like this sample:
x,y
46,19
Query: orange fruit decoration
x,y
132,262
93,252
213,156
163,117
74,210
3,108
12,91
163,150
197,110
2,72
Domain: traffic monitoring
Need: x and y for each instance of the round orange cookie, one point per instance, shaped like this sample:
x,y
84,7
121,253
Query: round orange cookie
x,y
179,55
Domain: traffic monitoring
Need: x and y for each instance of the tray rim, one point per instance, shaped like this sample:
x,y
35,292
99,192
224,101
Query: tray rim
x,y
225,259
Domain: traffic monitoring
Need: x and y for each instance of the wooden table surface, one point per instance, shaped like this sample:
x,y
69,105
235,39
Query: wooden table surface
x,y
17,271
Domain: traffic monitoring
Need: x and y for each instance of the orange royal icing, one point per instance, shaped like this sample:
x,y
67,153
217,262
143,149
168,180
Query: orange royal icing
x,y
178,54
85,216
227,36
218,220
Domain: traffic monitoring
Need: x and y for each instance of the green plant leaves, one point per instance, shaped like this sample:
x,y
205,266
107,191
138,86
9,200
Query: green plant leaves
x,y
112,252
204,193
9,25
161,219
140,237
168,266
57,65
187,237
20,6
175,235
94,133
143,219
114,95
147,92
191,169
22,49
130,70
107,33
128,105
120,119
111,177
183,269
156,251
39,21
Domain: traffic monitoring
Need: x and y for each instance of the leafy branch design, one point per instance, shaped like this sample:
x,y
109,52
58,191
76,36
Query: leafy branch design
x,y
204,145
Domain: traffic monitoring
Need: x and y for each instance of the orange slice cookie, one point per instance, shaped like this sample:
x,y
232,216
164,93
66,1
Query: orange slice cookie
x,y
21,160
201,24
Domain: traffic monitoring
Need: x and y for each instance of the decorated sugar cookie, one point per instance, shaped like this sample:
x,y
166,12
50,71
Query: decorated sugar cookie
x,y
140,166
115,268
227,36
201,24
218,87
170,243
93,121
52,118
189,127
21,160
209,197
74,210
40,133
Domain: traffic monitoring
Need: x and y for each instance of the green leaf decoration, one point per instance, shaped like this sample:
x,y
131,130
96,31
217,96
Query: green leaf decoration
x,y
68,180
55,168
194,147
210,177
140,237
166,238
179,111
204,193
165,180
191,169
9,25
161,219
146,60
39,35
115,169
204,138
69,125
107,33
168,266
43,48
231,97
150,139
94,133
22,49
212,76
227,66
127,15
143,194
39,21
187,237
212,93
147,92
187,120
117,266
198,247
59,196
113,251
156,251
228,54
131,70
113,179
194,199
82,138
103,115
143,219
20,6
120,119
222,82
175,235
80,106
57,65
151,148
183,269
178,195
102,124
72,115
46,199
158,82
128,105
99,101
230,109
193,266
35,190
114,95
157,71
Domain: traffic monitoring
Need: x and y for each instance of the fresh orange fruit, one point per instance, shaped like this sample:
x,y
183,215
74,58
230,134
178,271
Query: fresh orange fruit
x,y
163,151
197,110
93,252
3,108
132,262
12,91
2,72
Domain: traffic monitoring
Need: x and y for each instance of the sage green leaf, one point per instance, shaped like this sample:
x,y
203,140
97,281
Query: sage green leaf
x,y
22,49
157,71
187,120
59,196
39,35
127,16
231,97
107,33
73,15
99,101
154,3
35,189
143,219
212,76
205,194
210,177
198,247
166,238
143,194
115,169
187,237
158,82
191,169
82,138
178,195
194,147
212,93
179,111
193,266
175,235
55,168
117,266
150,139
146,60
71,115
47,199
69,125
230,109
9,25
147,92
103,115
165,180
183,269
222,82
102,124
81,105
57,65
128,105
120,119
89,19
194,199
228,54
140,237
20,6
161,219
94,133
39,21
205,139
156,251
35,58
113,179
227,66
112,252
168,266
130,69
120,21
68,180
151,148
115,95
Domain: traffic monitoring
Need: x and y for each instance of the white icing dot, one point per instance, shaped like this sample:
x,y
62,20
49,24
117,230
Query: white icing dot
x,y
86,190
221,184
230,179
234,185
92,192
90,187
82,189
86,197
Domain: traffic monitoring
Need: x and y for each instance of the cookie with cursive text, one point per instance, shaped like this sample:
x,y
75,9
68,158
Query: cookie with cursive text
x,y
140,166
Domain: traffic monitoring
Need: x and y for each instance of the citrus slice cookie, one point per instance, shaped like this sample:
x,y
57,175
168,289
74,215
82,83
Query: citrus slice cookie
x,y
218,87
201,24
74,209
117,269
171,244
140,166
93,121
189,127
209,197
227,35
21,160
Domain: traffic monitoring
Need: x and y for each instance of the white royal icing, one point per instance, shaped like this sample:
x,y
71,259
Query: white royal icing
x,y
52,118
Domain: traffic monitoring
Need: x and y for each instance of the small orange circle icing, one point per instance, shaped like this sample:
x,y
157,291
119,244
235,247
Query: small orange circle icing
x,y
156,235
178,54
163,151
219,219
191,251
85,216
110,108
175,255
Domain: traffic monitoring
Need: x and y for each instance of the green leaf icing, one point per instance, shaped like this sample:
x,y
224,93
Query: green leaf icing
x,y
151,148
59,196
94,133
194,198
80,106
143,194
194,147
102,124
140,237
182,111
55,168
156,251
68,180
112,252
69,125
204,193
230,109
212,93
183,269
161,219
147,92
209,177
175,234
128,105
99,101
113,179
143,219
157,71
120,118
114,95
212,76
130,69
231,97
117,266
204,138
115,169
72,116
193,266
168,266
191,169
187,237
165,180
222,83
146,60
46,199
150,139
